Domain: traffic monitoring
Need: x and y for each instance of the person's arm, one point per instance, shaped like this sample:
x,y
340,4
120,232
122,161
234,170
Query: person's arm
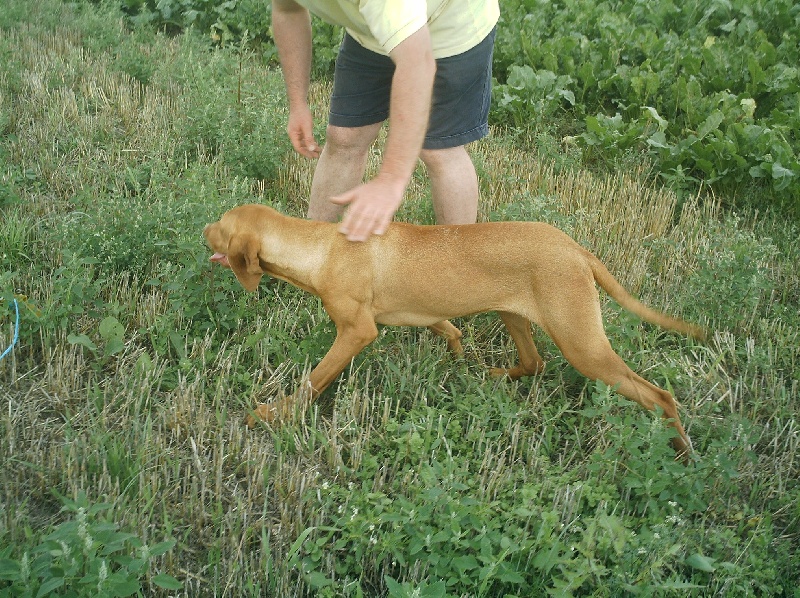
x,y
291,28
373,204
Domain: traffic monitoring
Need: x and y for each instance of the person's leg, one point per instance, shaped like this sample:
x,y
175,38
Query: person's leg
x,y
459,115
454,185
340,168
359,104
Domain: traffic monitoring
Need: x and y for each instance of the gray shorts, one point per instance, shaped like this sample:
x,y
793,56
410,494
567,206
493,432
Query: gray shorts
x,y
462,92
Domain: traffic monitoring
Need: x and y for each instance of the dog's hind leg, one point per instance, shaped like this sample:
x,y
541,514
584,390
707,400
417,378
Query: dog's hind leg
x,y
582,340
451,334
530,363
611,369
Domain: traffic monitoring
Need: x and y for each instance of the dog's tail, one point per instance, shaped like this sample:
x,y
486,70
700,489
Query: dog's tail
x,y
609,284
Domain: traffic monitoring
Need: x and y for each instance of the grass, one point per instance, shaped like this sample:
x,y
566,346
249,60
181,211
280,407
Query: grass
x,y
416,472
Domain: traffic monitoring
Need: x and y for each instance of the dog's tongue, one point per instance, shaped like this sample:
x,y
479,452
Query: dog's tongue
x,y
221,259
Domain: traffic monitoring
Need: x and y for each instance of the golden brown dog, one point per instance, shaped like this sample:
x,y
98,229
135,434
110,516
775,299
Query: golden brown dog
x,y
424,275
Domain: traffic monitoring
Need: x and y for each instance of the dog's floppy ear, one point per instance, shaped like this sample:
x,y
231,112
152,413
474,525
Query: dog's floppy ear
x,y
243,259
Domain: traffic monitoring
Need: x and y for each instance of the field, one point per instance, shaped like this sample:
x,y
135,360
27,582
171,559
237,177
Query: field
x,y
125,465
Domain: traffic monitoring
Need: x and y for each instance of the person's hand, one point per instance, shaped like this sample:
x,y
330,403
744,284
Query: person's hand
x,y
371,208
301,132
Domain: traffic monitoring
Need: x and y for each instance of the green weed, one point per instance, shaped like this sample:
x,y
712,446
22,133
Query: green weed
x,y
83,556
707,91
416,473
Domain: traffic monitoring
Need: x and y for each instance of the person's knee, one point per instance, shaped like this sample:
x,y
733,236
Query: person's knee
x,y
350,142
437,160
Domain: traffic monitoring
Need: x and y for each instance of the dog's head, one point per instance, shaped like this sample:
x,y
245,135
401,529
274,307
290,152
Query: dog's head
x,y
236,243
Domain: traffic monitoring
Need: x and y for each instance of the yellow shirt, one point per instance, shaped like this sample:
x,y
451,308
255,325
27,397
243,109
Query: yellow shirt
x,y
380,25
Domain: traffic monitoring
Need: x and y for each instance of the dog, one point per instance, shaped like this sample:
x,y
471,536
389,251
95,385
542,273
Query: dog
x,y
425,275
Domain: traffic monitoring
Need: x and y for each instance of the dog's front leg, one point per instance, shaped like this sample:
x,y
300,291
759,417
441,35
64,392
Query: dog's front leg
x,y
351,337
451,334
530,363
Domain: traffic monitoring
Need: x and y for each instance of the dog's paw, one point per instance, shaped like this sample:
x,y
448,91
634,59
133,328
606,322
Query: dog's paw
x,y
519,371
454,346
498,372
264,412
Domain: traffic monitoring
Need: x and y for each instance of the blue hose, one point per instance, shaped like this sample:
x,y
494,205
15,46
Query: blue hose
x,y
16,332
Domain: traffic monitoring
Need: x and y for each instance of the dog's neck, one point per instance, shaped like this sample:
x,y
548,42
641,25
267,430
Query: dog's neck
x,y
297,261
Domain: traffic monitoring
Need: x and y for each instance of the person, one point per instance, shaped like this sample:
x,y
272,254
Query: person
x,y
426,66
